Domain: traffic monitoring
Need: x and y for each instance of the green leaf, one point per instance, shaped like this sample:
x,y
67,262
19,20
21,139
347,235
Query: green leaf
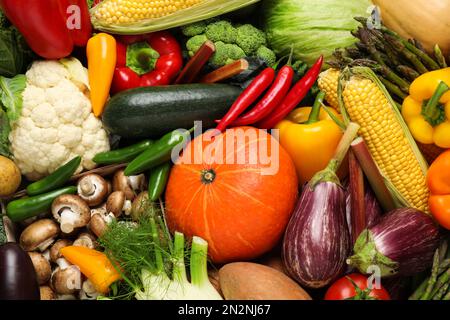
x,y
4,133
11,90
10,59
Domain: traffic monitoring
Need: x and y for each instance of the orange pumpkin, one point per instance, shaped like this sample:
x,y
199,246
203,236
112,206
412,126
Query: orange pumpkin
x,y
233,191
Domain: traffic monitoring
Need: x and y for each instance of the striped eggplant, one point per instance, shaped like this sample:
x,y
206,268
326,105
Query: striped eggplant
x,y
317,242
402,243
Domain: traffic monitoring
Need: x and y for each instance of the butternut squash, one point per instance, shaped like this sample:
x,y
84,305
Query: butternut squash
x,y
425,20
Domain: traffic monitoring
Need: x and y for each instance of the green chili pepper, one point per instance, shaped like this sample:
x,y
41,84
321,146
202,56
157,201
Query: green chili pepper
x,y
158,153
21,209
122,155
56,180
158,181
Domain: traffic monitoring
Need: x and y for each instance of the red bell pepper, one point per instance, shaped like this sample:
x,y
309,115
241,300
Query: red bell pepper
x,y
51,27
146,60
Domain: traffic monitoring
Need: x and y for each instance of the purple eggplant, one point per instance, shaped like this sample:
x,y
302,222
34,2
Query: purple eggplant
x,y
317,242
402,243
17,276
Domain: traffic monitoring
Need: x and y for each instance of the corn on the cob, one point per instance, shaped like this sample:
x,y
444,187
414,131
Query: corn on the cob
x,y
328,83
366,102
130,11
144,16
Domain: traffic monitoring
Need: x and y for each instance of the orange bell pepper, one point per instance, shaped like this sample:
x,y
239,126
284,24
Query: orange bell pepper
x,y
102,57
438,180
310,136
94,264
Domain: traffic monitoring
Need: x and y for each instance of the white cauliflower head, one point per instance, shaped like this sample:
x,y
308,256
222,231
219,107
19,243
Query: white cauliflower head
x,y
56,122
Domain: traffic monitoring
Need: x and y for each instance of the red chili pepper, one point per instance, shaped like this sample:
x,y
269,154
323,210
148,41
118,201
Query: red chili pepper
x,y
271,100
51,27
293,98
146,60
247,97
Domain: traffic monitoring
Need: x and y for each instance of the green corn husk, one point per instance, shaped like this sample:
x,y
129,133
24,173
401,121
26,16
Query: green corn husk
x,y
204,10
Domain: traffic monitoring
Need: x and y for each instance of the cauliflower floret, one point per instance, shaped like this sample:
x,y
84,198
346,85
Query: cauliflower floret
x,y
56,123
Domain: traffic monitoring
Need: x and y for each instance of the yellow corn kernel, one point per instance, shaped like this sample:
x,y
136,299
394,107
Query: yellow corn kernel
x,y
328,83
131,11
367,105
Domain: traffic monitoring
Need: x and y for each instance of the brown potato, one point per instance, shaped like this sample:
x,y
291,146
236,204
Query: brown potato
x,y
10,177
252,281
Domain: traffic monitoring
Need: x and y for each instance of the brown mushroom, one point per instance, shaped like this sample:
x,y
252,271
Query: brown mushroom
x,y
41,267
93,189
66,279
141,206
131,185
47,293
99,222
58,245
85,239
71,212
39,235
117,203
88,291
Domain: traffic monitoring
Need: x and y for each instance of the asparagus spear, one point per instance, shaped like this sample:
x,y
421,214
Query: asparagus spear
x,y
439,57
441,292
401,49
392,88
442,280
408,72
433,278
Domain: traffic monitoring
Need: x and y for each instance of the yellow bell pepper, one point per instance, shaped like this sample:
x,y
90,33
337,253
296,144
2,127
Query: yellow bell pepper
x,y
427,108
310,136
94,264
101,51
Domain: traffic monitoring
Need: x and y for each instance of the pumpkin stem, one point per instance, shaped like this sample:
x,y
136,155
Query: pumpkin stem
x,y
208,176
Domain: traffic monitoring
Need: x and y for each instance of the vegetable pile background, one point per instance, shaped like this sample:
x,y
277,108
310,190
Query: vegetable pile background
x,y
122,124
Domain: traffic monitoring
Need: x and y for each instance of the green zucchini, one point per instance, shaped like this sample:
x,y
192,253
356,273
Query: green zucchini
x,y
151,112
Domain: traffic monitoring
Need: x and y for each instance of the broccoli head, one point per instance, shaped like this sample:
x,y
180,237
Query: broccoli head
x,y
226,53
221,30
194,29
250,38
194,43
266,55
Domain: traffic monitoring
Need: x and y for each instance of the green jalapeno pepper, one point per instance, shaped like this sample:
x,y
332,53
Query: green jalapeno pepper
x,y
21,209
122,155
158,180
158,153
56,180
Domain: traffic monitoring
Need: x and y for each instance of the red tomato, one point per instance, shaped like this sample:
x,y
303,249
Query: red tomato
x,y
344,289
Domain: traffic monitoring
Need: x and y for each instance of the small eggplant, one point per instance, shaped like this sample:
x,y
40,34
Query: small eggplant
x,y
317,241
17,275
402,243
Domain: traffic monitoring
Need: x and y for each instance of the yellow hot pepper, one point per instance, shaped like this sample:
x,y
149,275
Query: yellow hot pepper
x,y
101,54
310,136
427,108
95,265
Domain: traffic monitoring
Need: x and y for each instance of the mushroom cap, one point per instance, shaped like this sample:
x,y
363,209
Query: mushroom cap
x,y
66,280
131,185
85,239
47,293
41,266
93,189
40,233
75,204
54,251
116,202
98,224
141,205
